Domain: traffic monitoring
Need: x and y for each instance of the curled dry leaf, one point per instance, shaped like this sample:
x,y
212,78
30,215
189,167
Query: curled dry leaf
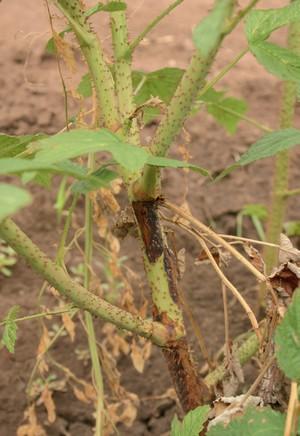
x,y
42,348
255,258
124,411
81,396
69,325
285,279
47,400
65,51
288,252
181,262
114,342
140,353
32,428
227,408
222,258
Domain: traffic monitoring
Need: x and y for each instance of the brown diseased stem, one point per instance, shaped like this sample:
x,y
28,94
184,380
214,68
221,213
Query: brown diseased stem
x,y
160,265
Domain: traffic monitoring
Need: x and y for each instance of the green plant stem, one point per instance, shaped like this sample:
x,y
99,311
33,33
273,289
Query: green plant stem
x,y
40,315
281,171
151,26
240,15
193,80
123,81
93,53
223,72
243,353
88,256
291,192
63,240
80,296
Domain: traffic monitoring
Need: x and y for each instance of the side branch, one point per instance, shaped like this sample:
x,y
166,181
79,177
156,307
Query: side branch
x,y
80,296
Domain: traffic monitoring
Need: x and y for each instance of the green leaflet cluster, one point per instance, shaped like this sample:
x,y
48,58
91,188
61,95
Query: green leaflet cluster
x,y
279,61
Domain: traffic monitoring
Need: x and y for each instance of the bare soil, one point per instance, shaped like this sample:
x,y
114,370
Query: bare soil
x,y
32,101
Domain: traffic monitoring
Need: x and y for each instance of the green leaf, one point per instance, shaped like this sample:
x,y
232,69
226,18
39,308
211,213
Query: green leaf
x,y
192,423
10,329
271,144
78,142
99,179
257,210
173,163
160,83
261,23
110,7
279,61
50,46
209,31
85,86
287,340
254,422
13,145
292,228
12,199
227,111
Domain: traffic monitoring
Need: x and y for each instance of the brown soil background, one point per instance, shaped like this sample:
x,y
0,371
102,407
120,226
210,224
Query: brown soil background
x,y
32,101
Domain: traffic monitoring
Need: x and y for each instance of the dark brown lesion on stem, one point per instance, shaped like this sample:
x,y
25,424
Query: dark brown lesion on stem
x,y
190,388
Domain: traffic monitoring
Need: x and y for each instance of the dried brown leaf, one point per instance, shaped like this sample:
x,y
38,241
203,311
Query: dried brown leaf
x,y
80,395
285,279
69,325
32,428
181,262
90,392
255,258
290,253
47,400
139,354
65,51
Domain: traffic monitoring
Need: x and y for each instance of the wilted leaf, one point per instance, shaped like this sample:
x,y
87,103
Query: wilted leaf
x,y
287,340
192,423
254,422
10,329
208,33
227,409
